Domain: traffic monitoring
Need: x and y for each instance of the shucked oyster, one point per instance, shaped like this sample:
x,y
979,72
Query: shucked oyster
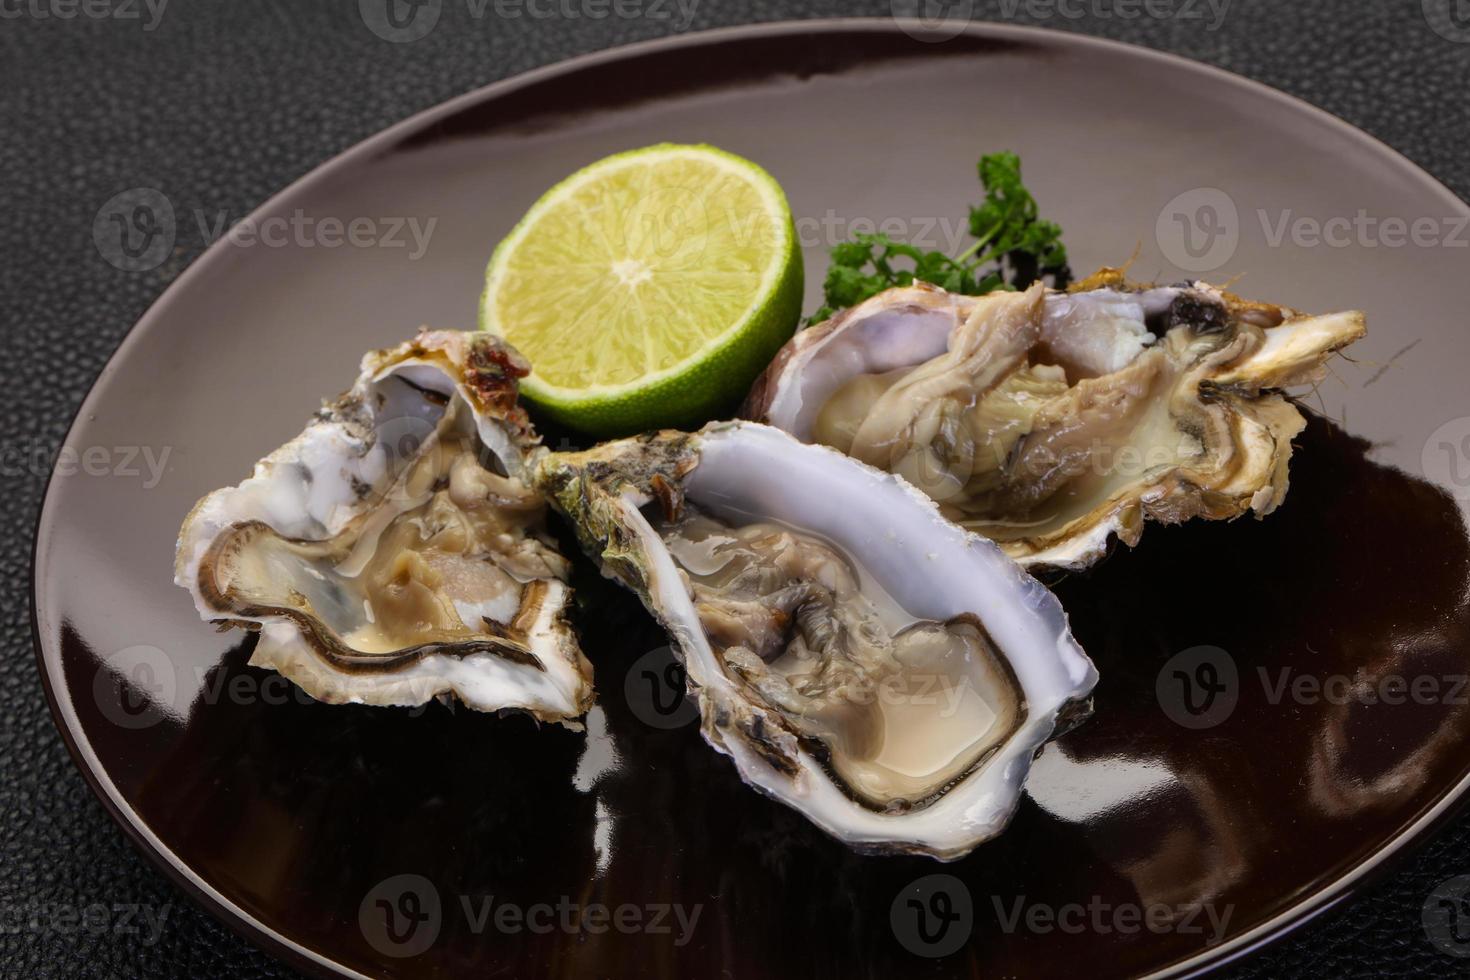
x,y
1048,421
391,553
860,658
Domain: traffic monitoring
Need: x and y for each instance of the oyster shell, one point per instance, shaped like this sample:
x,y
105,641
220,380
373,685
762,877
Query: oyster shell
x,y
1049,421
860,658
391,553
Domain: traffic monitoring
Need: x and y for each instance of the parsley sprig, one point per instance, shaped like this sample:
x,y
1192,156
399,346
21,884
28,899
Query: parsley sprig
x,y
1013,247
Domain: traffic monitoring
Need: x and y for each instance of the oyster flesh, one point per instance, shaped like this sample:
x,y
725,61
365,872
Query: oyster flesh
x,y
861,659
1049,421
392,553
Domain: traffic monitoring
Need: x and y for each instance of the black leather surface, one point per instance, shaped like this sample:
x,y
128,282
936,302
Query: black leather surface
x,y
222,103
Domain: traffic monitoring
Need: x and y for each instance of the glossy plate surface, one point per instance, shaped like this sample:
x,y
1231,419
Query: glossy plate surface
x,y
372,841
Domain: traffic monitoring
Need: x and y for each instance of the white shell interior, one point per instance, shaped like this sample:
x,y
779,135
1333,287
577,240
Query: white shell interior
x,y
889,332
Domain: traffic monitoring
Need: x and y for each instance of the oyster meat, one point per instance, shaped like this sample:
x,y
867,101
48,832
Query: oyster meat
x,y
1049,421
860,658
392,552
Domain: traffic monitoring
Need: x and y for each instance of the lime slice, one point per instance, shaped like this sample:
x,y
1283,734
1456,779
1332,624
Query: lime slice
x,y
648,289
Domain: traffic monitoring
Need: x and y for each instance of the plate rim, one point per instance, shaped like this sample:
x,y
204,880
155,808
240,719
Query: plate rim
x,y
1372,868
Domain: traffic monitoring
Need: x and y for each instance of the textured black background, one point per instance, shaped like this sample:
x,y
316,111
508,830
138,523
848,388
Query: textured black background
x,y
224,102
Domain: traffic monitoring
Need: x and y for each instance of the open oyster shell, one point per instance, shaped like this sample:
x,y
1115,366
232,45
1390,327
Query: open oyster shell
x,y
391,553
860,658
1049,421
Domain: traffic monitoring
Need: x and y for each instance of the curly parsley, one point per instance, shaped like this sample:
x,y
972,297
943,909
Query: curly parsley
x,y
1013,247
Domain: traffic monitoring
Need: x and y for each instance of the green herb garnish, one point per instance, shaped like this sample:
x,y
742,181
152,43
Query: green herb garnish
x,y
1013,247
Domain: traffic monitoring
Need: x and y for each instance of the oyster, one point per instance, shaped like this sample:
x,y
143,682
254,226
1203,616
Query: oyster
x,y
1049,421
860,658
392,553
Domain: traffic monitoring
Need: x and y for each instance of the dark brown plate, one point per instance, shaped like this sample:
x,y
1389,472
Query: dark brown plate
x,y
351,839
